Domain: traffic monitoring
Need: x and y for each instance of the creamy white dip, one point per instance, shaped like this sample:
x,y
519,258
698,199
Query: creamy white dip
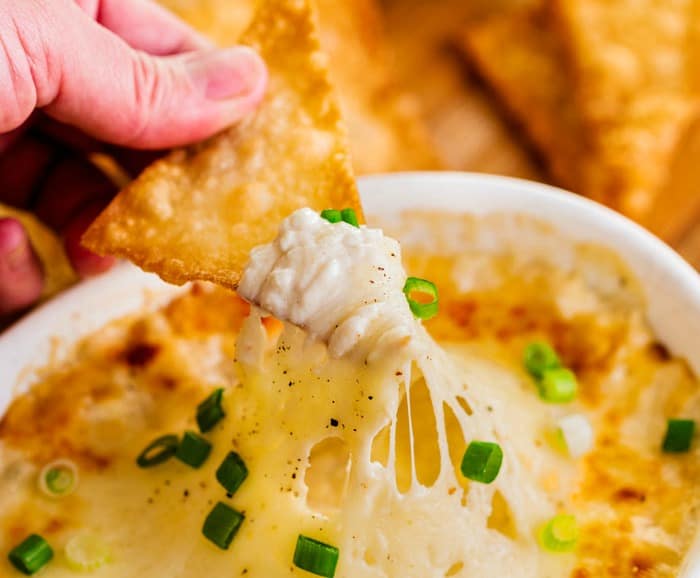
x,y
342,284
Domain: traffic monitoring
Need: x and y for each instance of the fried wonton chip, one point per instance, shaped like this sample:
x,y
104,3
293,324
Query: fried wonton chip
x,y
631,60
622,159
197,213
384,122
58,273
520,56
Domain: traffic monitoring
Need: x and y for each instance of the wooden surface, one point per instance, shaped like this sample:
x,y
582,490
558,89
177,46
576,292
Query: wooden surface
x,y
470,131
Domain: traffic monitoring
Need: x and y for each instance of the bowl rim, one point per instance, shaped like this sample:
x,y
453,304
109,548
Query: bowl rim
x,y
578,218
551,194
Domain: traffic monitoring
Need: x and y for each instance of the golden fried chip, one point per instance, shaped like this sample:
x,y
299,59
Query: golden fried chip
x,y
631,60
384,121
58,273
197,213
518,54
385,127
622,161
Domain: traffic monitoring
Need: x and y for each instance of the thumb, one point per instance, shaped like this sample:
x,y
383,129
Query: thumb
x,y
84,75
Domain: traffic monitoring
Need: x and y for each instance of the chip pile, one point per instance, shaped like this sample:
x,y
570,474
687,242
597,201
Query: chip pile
x,y
603,89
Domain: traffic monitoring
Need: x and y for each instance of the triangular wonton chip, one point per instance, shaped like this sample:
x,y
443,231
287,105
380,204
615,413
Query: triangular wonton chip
x,y
631,61
518,54
616,146
384,122
197,213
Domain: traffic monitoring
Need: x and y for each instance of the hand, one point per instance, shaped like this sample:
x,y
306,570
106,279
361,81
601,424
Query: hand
x,y
82,76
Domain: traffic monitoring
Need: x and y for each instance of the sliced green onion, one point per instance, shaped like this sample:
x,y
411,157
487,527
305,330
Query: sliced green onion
x,y
350,217
221,525
31,555
560,534
158,451
558,385
232,472
538,357
679,435
421,310
335,216
316,557
332,215
193,449
210,412
87,552
59,478
482,461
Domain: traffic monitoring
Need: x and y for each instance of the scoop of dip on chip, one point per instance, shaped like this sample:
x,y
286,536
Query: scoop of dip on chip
x,y
341,283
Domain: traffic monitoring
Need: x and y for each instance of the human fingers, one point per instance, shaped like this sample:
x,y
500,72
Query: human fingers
x,y
84,75
22,168
21,278
85,262
70,185
145,25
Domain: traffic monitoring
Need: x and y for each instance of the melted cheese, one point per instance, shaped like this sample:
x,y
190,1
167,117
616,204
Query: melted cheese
x,y
363,456
344,284
424,518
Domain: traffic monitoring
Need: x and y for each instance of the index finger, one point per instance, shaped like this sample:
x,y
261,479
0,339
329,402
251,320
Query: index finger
x,y
146,26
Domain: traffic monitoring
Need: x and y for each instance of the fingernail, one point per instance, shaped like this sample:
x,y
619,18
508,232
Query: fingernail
x,y
228,73
85,262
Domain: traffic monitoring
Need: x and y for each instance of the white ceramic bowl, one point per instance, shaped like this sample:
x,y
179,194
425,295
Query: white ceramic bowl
x,y
671,286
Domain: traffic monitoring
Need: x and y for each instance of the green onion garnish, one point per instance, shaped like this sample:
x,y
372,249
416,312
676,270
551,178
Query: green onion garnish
x,y
335,216
86,552
31,555
679,435
421,310
193,449
332,215
482,461
350,217
59,478
158,451
232,472
538,357
221,525
560,534
316,557
558,385
210,412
